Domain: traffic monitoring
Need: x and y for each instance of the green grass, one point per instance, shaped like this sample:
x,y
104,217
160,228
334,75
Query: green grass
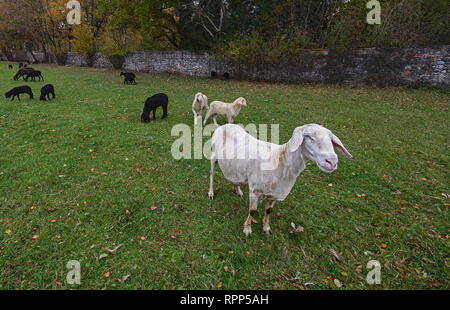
x,y
86,162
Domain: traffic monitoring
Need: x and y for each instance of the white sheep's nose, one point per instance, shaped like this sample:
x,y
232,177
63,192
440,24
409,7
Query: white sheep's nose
x,y
331,163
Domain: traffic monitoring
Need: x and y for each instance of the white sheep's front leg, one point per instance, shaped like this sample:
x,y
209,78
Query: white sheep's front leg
x,y
268,210
230,119
211,177
238,191
252,211
215,120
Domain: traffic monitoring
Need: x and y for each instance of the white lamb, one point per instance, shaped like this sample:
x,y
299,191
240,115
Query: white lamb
x,y
270,170
200,102
230,110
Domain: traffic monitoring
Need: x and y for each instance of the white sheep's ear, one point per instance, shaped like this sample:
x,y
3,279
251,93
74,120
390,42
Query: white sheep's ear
x,y
296,140
338,144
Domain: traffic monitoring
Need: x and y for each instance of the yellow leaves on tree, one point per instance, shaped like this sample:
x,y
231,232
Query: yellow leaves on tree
x,y
83,42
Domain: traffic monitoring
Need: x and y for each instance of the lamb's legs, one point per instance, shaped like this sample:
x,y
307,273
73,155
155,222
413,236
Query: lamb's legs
x,y
252,210
211,177
215,120
238,191
230,119
206,118
195,117
154,114
268,210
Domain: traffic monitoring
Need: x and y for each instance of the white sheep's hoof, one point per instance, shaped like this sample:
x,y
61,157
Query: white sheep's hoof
x,y
211,195
239,192
247,231
267,230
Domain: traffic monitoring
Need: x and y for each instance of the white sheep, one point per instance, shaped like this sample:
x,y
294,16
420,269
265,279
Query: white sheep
x,y
231,110
270,170
200,102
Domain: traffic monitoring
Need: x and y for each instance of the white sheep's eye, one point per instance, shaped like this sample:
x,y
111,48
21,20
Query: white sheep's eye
x,y
310,139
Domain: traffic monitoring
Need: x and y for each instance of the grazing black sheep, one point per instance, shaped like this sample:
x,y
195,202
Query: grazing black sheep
x,y
46,91
130,78
34,74
22,72
19,90
213,74
155,101
10,66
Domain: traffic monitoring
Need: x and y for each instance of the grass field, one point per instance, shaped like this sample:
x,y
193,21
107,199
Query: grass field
x,y
80,177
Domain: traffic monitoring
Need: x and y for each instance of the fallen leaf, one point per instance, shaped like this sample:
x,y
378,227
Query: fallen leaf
x,y
53,221
35,237
102,256
344,274
153,208
383,245
254,221
143,238
115,249
107,274
337,283
124,278
8,232
219,285
335,254
225,268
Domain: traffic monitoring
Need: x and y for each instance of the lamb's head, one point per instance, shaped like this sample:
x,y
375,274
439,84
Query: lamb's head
x,y
241,101
317,144
7,95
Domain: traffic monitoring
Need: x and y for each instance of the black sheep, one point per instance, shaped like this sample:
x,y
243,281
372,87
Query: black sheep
x,y
130,78
226,76
22,72
34,74
10,66
46,91
19,90
213,74
155,101
20,65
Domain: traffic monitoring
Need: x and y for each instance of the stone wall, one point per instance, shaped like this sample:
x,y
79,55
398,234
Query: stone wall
x,y
384,67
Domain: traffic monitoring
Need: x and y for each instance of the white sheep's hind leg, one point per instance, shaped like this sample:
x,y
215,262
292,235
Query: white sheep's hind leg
x,y
238,191
268,210
211,177
252,211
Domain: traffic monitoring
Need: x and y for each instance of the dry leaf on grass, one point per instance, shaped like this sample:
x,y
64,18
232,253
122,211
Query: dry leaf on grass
x,y
336,254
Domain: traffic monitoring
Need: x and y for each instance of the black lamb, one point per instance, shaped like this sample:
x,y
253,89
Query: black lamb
x,y
19,90
46,91
10,66
130,78
22,73
34,74
155,101
20,65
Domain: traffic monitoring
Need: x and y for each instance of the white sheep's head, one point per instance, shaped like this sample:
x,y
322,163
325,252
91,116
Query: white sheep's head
x,y
241,101
317,144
